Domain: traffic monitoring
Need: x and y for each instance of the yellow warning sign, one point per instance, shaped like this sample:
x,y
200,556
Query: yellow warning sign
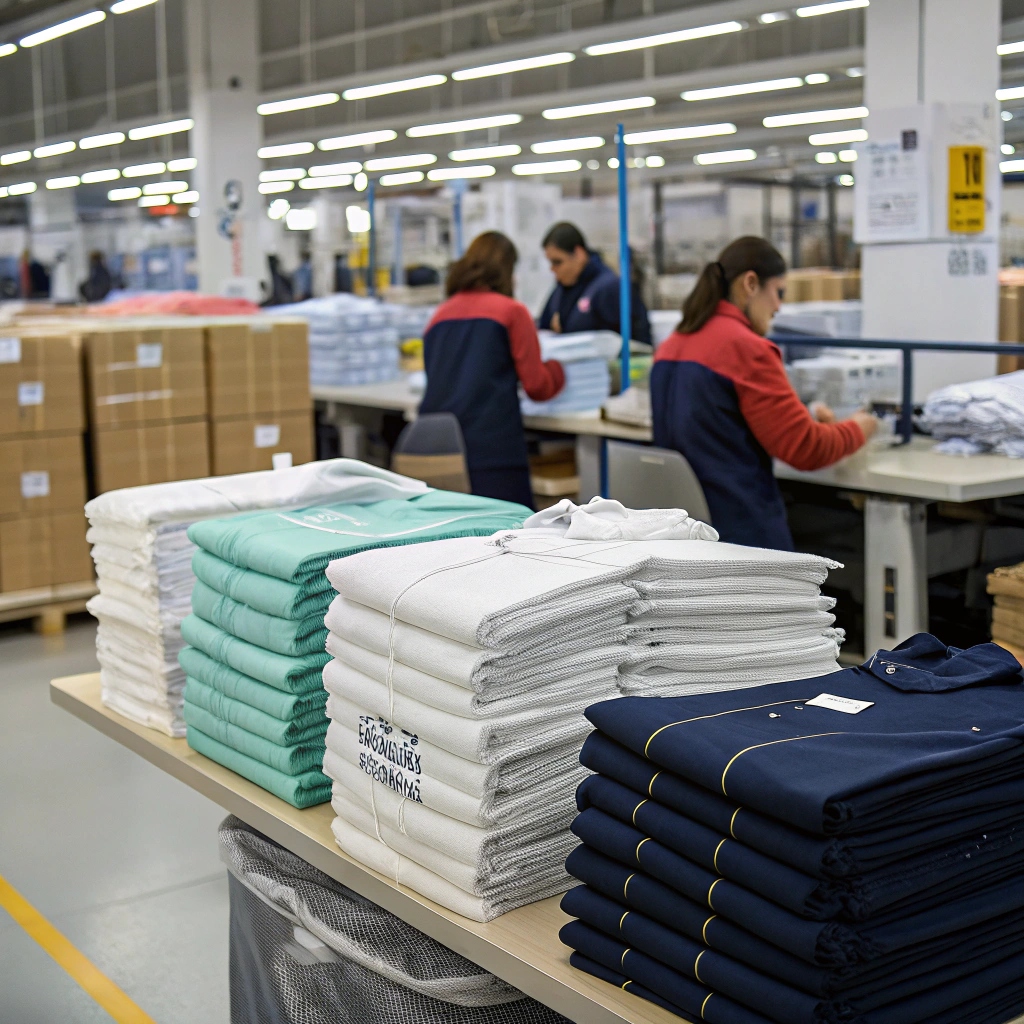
x,y
966,190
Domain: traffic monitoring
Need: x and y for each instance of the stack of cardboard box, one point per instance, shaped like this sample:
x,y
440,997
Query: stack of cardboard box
x,y
1011,323
260,404
1006,585
822,284
42,466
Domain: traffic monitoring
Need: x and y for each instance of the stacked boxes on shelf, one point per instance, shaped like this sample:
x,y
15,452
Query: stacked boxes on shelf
x,y
42,466
822,284
260,404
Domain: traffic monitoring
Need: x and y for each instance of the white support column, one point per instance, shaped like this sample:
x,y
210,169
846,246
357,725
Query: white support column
x,y
223,67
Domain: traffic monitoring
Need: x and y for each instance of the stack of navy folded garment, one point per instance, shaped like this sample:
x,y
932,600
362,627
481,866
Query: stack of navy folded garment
x,y
841,850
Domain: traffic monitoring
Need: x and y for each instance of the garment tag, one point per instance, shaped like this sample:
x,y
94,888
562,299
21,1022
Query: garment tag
x,y
389,755
30,393
10,350
149,356
267,435
847,705
35,485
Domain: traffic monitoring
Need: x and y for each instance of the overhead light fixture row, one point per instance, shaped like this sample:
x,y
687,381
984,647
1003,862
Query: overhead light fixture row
x,y
1014,93
328,170
663,38
322,99
162,188
185,163
117,195
54,149
729,156
814,117
269,188
406,178
507,67
397,163
96,177
485,152
124,6
69,181
365,92
699,131
472,124
287,149
144,170
568,145
6,49
838,138
359,139
722,91
155,131
15,158
547,167
24,188
815,10
456,173
327,181
1003,49
106,139
607,107
63,28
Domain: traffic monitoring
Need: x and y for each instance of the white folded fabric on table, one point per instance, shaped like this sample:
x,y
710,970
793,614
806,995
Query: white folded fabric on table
x,y
607,519
587,384
984,415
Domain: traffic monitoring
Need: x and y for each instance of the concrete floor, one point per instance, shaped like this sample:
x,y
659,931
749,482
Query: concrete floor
x,y
118,856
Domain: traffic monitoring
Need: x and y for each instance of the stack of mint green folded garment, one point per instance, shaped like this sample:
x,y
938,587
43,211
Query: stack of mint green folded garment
x,y
254,695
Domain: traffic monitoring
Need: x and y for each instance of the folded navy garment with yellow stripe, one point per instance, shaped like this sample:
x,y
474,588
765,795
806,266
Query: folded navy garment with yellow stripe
x,y
922,725
822,856
596,970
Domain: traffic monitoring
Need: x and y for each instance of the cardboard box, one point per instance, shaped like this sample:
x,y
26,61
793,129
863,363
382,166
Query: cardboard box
x,y
249,443
145,374
42,474
40,383
257,366
150,454
1011,327
42,551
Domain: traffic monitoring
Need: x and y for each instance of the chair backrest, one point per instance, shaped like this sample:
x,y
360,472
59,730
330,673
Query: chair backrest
x,y
432,449
641,476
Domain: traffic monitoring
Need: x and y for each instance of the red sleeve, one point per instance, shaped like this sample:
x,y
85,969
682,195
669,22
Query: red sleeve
x,y
782,423
540,380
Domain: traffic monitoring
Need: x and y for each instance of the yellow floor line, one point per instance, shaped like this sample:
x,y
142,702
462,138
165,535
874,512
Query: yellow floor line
x,y
79,967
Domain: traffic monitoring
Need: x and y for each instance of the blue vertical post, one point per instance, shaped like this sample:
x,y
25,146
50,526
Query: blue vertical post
x,y
397,264
371,261
625,313
458,189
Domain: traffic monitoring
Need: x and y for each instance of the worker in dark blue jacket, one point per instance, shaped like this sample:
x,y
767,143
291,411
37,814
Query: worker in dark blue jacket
x,y
586,297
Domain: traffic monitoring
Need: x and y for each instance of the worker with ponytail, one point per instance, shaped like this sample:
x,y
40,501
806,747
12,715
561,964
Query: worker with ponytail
x,y
721,397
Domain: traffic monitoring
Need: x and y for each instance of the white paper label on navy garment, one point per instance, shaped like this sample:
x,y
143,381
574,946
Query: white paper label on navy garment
x,y
149,356
31,393
10,350
267,435
390,756
847,705
35,485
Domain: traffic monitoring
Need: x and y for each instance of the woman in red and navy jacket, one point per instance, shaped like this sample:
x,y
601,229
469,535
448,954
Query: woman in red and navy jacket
x,y
721,397
479,347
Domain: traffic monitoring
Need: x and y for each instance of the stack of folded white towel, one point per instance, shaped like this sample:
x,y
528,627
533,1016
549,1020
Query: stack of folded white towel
x,y
144,568
584,357
979,416
461,669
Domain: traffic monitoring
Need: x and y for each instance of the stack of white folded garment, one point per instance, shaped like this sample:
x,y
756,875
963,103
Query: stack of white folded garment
x,y
584,357
979,416
143,567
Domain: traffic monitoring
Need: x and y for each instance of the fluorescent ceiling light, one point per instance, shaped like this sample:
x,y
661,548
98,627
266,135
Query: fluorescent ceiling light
x,y
854,72
1011,166
826,158
154,131
846,179
814,117
547,167
665,37
838,138
848,156
160,188
269,188
327,181
144,170
1007,150
471,125
608,107
817,78
3,192
771,17
405,178
359,139
613,162
1004,48
324,170
358,220
124,6
721,91
1006,115
69,181
322,99
116,195
278,208
365,92
361,182
568,145
830,8
95,177
301,220
107,139
186,163
395,163
508,66
288,149
6,49
63,28
729,156
655,161
24,188
451,173
155,201
700,131
187,197
56,149
285,174
15,158
1016,93
485,152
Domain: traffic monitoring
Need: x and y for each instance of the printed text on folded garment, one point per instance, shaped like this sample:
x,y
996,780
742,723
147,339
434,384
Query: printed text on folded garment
x,y
390,757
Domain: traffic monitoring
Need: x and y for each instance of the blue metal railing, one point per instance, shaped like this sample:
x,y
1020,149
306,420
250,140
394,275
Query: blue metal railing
x,y
905,426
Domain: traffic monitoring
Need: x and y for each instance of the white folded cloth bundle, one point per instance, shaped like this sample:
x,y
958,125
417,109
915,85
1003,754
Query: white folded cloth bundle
x,y
587,384
580,345
143,565
984,415
607,519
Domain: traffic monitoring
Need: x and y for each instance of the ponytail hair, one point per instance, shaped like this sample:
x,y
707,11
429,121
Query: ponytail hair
x,y
735,260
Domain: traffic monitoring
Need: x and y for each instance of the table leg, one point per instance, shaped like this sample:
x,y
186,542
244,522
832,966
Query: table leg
x,y
895,572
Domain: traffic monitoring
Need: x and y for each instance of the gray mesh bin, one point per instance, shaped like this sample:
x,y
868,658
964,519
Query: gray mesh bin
x,y
307,950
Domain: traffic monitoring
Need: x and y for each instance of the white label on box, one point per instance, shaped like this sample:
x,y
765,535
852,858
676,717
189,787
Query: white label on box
x,y
389,755
847,705
10,350
35,485
267,435
149,356
30,393
281,460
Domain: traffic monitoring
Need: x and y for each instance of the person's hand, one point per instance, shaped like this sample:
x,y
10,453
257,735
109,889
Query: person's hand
x,y
822,413
556,323
867,423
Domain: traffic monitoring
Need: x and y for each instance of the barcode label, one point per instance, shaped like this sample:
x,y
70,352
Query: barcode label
x,y
149,356
35,484
31,393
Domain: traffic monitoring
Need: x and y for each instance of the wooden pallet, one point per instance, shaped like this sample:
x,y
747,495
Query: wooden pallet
x,y
48,607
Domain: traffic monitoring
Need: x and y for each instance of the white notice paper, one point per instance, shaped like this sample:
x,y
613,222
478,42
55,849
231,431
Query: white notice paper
x,y
893,189
267,435
30,393
35,484
10,350
847,705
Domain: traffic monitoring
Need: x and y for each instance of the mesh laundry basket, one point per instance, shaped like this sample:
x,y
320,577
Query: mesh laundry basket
x,y
307,950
